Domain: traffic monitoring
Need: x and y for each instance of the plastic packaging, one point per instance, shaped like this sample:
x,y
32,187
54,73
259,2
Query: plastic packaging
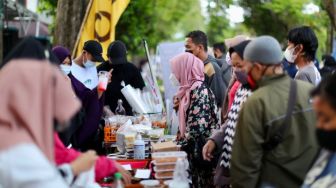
x,y
165,167
110,131
180,179
120,110
150,183
102,80
158,177
139,147
134,99
166,157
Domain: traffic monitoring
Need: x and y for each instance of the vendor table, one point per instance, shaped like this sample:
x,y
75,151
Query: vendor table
x,y
135,163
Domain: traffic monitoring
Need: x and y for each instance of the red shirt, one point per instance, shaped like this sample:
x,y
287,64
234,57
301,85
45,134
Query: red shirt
x,y
103,167
232,93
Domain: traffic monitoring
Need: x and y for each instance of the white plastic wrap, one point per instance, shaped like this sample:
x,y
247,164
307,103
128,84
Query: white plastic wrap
x,y
134,98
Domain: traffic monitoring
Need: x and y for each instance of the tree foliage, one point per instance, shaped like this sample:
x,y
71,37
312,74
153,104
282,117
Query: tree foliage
x,y
218,25
277,17
161,20
157,21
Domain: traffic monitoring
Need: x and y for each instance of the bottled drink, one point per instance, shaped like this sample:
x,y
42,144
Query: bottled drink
x,y
117,181
107,131
139,147
120,110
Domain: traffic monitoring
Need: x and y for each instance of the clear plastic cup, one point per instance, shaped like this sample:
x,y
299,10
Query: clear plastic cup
x,y
103,80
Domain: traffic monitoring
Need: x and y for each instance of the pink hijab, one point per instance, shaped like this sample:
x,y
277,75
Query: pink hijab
x,y
33,94
189,71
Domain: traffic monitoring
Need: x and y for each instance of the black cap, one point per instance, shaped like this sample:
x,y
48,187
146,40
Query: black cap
x,y
95,49
116,52
239,48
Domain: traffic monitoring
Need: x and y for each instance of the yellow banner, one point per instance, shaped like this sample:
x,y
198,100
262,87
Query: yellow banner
x,y
100,22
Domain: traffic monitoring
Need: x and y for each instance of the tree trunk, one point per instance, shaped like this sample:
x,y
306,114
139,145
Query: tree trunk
x,y
330,7
330,36
69,17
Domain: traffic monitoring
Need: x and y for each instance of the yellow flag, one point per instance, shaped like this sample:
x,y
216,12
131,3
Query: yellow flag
x,y
99,23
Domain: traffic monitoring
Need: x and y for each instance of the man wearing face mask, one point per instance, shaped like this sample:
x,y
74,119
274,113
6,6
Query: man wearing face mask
x,y
83,67
222,140
301,50
81,133
323,172
197,44
275,134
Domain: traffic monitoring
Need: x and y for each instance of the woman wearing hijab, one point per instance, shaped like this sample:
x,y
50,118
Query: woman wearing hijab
x,y
104,167
197,114
34,95
82,136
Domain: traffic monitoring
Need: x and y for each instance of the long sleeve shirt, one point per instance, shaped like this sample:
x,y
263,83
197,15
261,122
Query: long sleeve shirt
x,y
103,167
93,108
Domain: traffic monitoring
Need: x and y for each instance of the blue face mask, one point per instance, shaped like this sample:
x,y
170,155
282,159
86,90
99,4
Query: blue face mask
x,y
89,64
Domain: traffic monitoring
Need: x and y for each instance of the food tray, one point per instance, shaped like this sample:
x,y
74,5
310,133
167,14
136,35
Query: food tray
x,y
160,169
165,174
158,177
168,157
163,166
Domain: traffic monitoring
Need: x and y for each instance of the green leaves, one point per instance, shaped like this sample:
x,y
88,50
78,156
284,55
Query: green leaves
x,y
157,21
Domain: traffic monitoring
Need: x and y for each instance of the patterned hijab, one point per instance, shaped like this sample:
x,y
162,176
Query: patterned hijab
x,y
189,71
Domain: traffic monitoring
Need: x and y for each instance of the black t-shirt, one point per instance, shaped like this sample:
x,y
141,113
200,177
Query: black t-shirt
x,y
126,72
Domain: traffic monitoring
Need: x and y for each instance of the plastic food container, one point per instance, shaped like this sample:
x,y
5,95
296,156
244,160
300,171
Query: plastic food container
x,y
163,166
165,174
151,183
159,177
168,157
167,182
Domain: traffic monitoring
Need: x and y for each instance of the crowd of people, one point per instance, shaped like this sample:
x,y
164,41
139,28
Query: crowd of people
x,y
266,135
254,115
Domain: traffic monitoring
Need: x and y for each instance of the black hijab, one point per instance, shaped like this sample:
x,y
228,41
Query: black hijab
x,y
30,48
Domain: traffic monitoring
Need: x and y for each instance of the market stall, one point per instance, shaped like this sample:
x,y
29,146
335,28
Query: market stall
x,y
154,160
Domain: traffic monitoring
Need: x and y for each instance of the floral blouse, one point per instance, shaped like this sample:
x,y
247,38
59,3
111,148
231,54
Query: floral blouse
x,y
202,117
201,120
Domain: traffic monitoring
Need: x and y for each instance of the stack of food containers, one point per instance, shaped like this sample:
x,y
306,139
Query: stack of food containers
x,y
164,163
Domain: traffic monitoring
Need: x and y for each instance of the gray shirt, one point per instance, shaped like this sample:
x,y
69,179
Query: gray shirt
x,y
309,74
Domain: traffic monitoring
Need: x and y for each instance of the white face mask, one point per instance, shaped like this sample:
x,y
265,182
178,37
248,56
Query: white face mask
x,y
89,64
228,59
289,54
65,69
174,80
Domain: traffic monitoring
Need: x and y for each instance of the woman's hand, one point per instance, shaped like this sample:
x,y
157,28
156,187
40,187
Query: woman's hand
x,y
84,162
124,173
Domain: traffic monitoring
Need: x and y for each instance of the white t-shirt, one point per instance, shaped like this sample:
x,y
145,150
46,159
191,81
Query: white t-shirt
x,y
88,76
